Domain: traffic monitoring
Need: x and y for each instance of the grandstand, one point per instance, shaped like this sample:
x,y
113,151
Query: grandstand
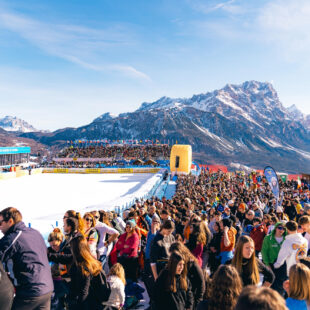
x,y
113,155
10,156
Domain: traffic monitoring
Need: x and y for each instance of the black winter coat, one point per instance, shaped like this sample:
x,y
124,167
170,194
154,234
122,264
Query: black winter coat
x,y
196,278
167,300
25,249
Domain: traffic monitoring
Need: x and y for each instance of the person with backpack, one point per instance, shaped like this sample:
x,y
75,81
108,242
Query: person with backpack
x,y
91,233
88,287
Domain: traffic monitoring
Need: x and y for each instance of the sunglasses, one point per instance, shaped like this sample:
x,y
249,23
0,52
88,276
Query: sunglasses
x,y
96,217
88,219
280,228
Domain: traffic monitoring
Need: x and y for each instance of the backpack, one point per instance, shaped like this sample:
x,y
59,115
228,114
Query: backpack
x,y
101,287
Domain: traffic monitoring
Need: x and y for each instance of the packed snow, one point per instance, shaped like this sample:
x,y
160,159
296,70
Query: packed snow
x,y
44,198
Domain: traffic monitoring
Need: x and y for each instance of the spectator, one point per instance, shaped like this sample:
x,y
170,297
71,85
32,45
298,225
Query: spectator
x,y
304,223
258,234
260,298
228,240
83,269
23,253
104,245
194,272
172,288
225,288
117,283
298,287
6,290
270,250
294,247
248,265
160,247
127,248
91,233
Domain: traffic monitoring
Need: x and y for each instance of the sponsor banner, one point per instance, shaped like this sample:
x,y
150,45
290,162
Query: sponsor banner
x,y
36,171
7,175
92,170
101,170
21,173
124,170
15,150
272,180
79,159
61,170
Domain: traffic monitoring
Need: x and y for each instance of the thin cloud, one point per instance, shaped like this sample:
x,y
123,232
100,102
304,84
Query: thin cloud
x,y
73,43
286,23
213,6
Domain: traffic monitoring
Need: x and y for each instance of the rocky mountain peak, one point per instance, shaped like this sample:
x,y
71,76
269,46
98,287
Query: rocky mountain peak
x,y
12,123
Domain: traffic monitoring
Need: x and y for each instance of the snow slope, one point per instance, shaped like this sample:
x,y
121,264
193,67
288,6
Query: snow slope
x,y
43,199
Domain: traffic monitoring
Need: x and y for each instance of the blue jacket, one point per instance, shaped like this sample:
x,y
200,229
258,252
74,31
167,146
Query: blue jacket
x,y
294,304
23,251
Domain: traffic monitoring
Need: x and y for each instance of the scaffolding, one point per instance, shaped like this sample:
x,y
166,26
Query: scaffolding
x,y
10,156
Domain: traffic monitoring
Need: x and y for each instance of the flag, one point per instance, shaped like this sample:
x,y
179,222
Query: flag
x,y
298,182
273,181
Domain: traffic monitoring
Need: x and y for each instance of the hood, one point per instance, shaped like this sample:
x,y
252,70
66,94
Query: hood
x,y
275,227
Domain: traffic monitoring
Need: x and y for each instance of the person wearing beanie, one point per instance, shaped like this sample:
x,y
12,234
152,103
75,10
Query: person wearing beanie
x,y
127,250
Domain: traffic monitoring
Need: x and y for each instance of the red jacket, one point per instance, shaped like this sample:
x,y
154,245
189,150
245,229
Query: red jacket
x,y
258,234
129,247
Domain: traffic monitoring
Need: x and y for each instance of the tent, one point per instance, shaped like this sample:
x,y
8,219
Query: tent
x,y
151,162
138,162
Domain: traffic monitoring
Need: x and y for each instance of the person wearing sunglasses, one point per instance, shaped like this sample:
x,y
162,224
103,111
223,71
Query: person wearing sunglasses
x,y
91,233
23,250
104,245
271,247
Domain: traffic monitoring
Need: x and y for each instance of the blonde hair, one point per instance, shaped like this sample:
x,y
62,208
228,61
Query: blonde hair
x,y
55,235
88,214
118,271
299,277
238,259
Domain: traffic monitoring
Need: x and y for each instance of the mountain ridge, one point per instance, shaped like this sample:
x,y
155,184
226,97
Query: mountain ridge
x,y
244,123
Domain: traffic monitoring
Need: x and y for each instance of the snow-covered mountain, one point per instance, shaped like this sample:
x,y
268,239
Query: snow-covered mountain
x,y
244,124
297,115
11,123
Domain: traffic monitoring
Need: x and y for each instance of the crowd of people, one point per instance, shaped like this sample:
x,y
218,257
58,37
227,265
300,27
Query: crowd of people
x,y
222,242
123,151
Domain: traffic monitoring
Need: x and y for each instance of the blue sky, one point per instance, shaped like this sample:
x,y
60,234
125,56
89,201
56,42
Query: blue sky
x,y
64,63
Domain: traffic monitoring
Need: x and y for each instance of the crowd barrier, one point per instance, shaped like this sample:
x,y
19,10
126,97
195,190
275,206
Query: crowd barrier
x,y
153,190
101,170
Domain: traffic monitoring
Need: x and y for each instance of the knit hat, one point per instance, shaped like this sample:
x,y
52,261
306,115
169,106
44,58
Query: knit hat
x,y
307,207
155,218
132,223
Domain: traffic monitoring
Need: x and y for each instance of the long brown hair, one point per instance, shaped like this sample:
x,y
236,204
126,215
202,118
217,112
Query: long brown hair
x,y
83,258
174,259
299,277
225,288
77,215
238,259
